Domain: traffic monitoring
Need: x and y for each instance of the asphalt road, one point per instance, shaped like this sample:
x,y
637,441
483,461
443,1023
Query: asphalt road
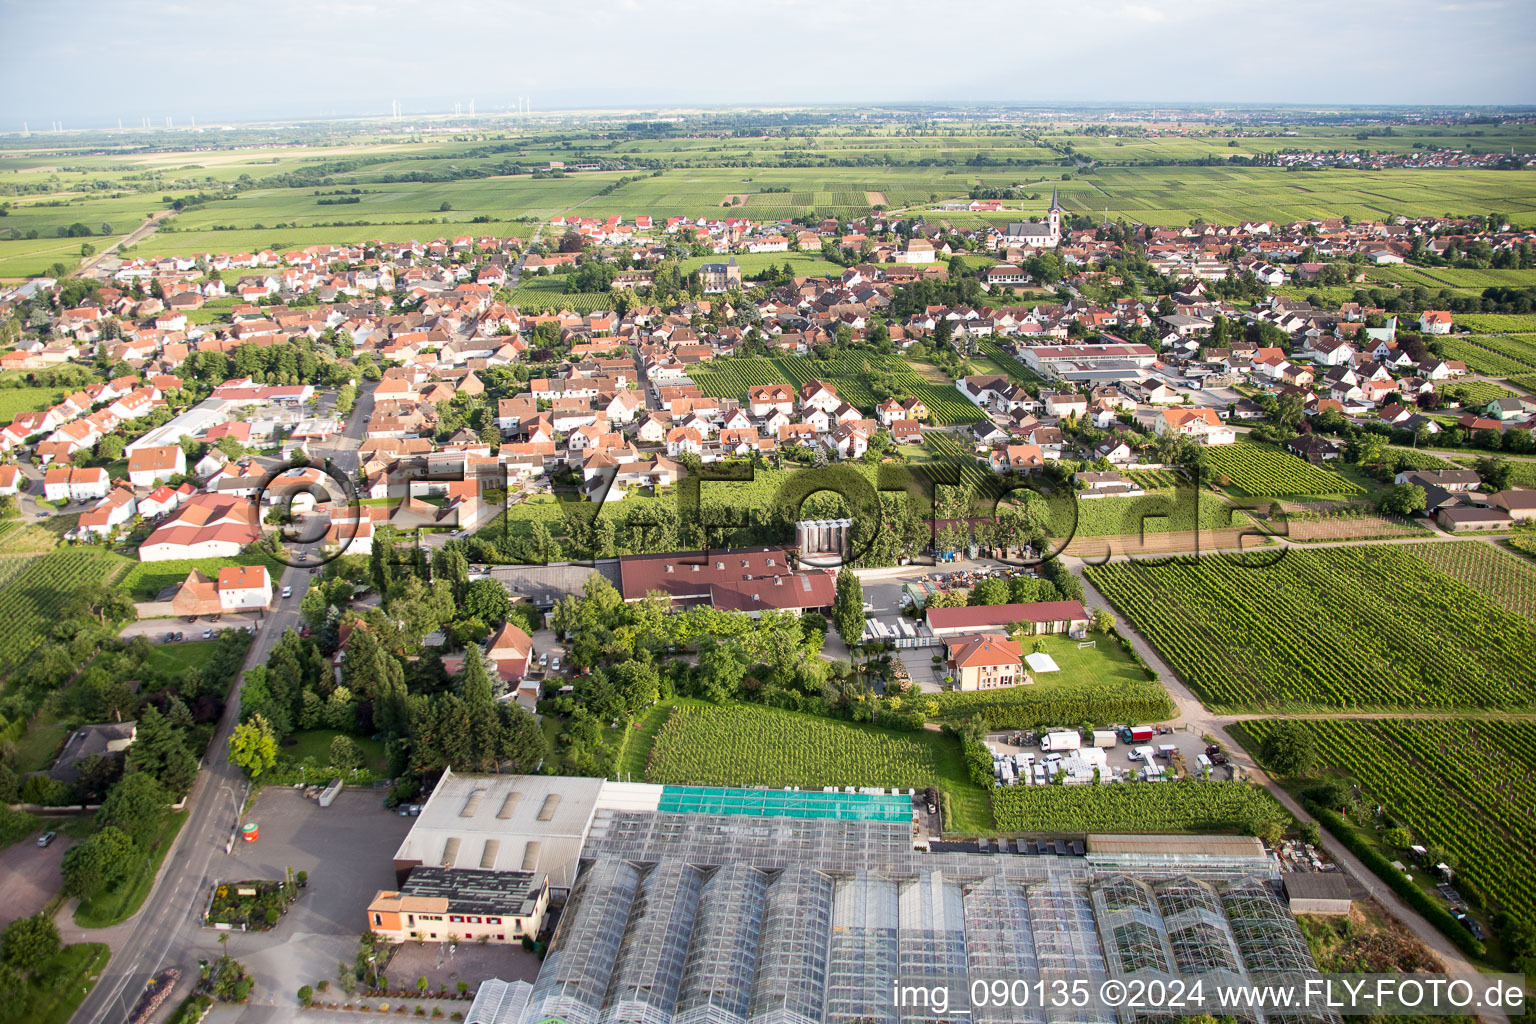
x,y
166,933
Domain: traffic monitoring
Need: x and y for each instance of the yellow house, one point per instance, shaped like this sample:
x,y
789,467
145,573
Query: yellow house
x,y
985,661
462,904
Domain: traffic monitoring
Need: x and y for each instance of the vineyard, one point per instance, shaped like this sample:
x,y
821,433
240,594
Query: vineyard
x,y
1130,698
1269,472
851,372
1507,580
1466,787
1168,511
31,599
1476,393
1017,371
748,745
1497,323
1524,381
1352,628
730,378
1169,807
1482,360
1347,522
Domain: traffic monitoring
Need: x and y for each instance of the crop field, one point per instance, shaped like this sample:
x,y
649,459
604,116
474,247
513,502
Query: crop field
x,y
1476,392
1336,628
1482,359
1017,371
1161,511
753,263
850,373
30,600
1168,807
1505,579
1519,347
731,377
1523,381
747,745
1464,281
144,580
547,293
1497,323
14,401
1269,472
1467,787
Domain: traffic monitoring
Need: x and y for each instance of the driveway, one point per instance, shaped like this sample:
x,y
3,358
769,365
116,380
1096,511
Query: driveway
x,y
29,875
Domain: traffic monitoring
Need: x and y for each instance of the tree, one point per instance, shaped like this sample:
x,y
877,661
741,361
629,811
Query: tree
x,y
487,600
345,754
1495,473
475,683
1404,500
992,591
253,746
1103,620
29,942
158,749
136,805
721,670
93,865
848,607
1289,749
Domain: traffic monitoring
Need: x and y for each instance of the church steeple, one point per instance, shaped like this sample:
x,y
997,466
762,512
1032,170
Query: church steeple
x,y
1053,218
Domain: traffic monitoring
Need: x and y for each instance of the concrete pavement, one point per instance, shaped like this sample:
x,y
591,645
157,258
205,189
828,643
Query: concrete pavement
x,y
166,931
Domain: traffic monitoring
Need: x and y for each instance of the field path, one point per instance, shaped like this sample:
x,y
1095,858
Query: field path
x,y
150,226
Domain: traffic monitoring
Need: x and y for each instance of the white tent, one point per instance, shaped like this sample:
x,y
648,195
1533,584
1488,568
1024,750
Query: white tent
x,y
1039,661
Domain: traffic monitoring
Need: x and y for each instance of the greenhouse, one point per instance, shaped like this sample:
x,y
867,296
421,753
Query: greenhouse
x,y
753,917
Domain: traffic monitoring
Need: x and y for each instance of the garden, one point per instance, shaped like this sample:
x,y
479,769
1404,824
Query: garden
x,y
254,906
1336,628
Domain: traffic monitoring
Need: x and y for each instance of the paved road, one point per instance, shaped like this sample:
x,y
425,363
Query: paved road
x,y
166,932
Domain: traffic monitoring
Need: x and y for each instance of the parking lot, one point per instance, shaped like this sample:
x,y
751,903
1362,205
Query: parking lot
x,y
29,874
1121,757
347,849
442,963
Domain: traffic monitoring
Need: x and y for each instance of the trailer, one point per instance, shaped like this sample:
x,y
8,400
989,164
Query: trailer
x,y
1104,738
1056,741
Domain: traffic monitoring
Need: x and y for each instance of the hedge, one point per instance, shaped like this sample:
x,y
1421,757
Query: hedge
x,y
1412,894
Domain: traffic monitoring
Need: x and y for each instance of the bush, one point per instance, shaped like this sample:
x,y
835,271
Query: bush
x,y
306,995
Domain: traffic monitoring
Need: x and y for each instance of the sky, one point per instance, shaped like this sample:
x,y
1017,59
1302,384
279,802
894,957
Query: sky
x,y
87,63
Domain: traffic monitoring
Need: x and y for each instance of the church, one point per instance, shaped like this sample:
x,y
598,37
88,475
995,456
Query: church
x,y
1034,234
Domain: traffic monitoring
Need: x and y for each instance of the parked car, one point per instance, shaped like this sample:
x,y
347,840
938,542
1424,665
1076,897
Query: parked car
x,y
207,634
544,659
554,666
46,838
287,592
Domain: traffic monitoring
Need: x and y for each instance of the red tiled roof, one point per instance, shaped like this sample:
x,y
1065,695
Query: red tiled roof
x,y
994,615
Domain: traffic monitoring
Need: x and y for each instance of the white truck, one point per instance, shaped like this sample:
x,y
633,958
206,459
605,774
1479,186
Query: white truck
x,y
1104,738
1058,741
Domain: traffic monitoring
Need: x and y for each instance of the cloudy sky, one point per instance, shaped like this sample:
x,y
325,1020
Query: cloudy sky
x,y
89,62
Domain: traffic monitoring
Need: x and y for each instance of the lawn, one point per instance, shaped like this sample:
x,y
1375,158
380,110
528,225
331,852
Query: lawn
x,y
58,988
175,659
750,745
1101,684
123,900
316,743
37,747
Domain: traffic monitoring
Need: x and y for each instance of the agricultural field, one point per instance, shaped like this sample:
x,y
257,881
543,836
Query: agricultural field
x,y
747,745
546,293
1261,471
1476,393
15,401
1467,787
30,600
850,373
1475,351
804,264
1507,580
1328,629
1497,323
731,377
1524,381
1016,371
1169,807
144,580
1169,510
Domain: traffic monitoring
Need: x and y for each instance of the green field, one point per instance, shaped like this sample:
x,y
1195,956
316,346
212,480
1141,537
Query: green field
x,y
15,401
1262,471
316,744
1170,807
747,745
31,599
1506,580
1328,629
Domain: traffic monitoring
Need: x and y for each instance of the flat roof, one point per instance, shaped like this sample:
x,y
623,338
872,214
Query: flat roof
x,y
782,803
1163,845
1316,885
475,891
1005,614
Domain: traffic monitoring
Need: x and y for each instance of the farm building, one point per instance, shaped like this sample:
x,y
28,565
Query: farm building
x,y
1037,617
1317,892
736,579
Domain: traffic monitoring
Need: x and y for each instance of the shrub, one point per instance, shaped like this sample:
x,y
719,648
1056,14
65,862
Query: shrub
x,y
306,995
